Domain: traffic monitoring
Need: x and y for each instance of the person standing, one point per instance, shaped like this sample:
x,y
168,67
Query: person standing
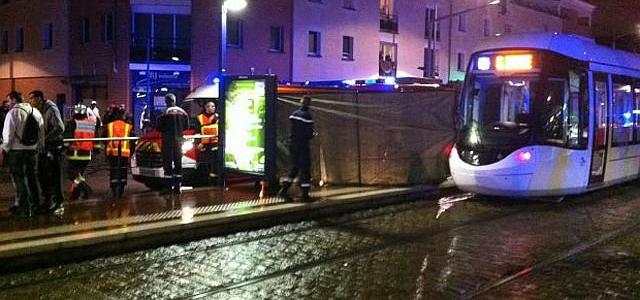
x,y
301,134
50,160
118,151
208,146
172,124
79,152
4,110
145,119
23,137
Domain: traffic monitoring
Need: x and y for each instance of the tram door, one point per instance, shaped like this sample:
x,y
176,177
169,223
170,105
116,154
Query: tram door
x,y
600,140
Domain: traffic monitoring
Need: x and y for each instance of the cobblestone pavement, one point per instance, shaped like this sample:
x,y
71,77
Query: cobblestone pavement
x,y
584,247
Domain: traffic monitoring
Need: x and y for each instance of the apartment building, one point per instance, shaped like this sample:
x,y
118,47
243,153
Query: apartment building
x,y
129,52
329,40
133,52
34,48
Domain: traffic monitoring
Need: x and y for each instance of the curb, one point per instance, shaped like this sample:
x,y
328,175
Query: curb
x,y
26,255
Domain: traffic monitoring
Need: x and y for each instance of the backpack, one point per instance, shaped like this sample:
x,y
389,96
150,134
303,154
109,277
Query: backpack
x,y
31,130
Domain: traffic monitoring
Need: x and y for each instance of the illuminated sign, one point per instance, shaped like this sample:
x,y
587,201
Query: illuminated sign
x,y
245,125
514,62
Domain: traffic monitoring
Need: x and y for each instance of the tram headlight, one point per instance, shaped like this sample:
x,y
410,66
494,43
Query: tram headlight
x,y
186,146
484,63
523,156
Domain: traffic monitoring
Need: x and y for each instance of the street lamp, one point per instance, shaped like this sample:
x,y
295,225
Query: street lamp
x,y
227,5
433,22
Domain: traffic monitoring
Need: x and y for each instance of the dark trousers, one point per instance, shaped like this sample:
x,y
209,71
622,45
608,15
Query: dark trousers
x,y
50,171
23,166
208,157
172,161
118,171
300,164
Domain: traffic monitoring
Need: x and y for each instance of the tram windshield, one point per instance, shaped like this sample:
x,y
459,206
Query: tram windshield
x,y
533,106
497,110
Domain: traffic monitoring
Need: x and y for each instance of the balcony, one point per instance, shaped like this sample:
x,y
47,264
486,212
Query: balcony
x,y
161,50
388,23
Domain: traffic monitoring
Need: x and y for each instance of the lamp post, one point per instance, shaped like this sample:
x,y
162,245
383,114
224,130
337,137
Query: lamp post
x,y
227,5
433,24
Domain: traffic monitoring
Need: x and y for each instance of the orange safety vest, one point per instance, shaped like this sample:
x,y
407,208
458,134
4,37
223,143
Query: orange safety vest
x,y
85,129
118,129
208,126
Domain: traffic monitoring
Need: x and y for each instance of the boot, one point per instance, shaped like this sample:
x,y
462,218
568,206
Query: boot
x,y
75,193
284,190
84,186
305,195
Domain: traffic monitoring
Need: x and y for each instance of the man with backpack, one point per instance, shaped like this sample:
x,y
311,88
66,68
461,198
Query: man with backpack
x,y
23,137
50,160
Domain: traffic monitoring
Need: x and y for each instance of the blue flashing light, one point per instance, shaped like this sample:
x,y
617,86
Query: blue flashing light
x,y
216,80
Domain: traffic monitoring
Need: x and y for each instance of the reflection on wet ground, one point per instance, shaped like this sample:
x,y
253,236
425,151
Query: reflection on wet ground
x,y
584,247
480,247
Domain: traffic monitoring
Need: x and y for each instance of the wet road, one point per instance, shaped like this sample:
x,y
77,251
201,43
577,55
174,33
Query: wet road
x,y
455,248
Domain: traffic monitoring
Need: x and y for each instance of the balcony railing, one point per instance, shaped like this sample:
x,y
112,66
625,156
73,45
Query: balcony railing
x,y
160,49
388,23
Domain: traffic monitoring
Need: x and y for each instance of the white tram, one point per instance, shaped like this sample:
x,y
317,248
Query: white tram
x,y
547,115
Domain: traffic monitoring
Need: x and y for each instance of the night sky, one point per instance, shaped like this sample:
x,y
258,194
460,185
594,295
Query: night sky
x,y
615,17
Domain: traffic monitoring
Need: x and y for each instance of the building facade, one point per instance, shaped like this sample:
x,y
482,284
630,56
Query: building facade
x,y
132,52
35,50
329,40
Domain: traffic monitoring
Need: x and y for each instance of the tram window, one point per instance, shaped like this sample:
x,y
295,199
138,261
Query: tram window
x,y
623,107
562,118
636,111
553,112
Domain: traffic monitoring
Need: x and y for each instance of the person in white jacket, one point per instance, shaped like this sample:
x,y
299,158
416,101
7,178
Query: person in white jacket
x,y
21,157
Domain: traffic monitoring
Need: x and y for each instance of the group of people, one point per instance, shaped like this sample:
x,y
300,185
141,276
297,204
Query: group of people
x,y
35,140
33,148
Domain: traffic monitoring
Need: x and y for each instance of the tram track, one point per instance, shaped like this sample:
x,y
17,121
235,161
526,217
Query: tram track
x,y
342,223
391,241
400,241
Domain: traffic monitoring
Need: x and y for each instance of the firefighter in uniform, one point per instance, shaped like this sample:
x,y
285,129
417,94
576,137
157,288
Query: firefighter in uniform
x,y
208,147
301,134
172,124
118,151
79,153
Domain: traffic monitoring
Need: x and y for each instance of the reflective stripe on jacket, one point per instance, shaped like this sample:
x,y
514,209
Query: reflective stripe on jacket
x,y
118,129
208,126
85,129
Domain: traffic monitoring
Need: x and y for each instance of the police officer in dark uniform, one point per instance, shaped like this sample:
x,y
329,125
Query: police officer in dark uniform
x,y
172,124
301,134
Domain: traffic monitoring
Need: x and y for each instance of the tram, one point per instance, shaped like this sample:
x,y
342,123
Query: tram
x,y
547,115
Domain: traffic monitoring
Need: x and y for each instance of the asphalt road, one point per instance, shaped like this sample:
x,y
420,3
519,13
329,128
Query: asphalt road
x,y
457,247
